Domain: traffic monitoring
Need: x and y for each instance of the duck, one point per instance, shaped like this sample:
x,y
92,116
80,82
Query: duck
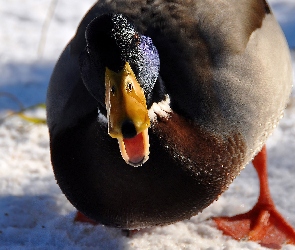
x,y
154,107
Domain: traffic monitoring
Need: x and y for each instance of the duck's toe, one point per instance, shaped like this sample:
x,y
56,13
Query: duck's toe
x,y
84,219
263,223
267,227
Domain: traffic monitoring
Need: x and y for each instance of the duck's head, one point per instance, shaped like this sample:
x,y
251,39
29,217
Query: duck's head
x,y
120,68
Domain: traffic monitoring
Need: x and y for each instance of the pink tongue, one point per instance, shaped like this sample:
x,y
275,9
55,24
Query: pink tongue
x,y
135,148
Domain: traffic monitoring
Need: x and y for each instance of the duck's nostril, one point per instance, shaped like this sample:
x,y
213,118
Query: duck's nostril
x,y
128,129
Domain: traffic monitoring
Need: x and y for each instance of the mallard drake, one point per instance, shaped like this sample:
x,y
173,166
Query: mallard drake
x,y
154,107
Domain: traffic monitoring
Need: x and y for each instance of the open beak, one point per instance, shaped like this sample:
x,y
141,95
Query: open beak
x,y
128,119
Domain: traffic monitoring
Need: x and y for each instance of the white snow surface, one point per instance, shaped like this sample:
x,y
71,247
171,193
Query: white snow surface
x,y
34,214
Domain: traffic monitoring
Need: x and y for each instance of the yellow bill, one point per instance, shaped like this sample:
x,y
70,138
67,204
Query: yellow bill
x,y
128,119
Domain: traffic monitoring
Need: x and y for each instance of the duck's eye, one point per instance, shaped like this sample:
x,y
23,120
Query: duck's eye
x,y
129,86
113,90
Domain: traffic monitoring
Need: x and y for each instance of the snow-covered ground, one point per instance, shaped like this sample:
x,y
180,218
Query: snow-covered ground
x,y
34,214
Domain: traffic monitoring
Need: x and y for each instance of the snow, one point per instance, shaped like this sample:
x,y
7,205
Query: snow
x,y
34,214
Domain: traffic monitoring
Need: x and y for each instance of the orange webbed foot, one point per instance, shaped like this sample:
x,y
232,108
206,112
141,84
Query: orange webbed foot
x,y
263,223
84,219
